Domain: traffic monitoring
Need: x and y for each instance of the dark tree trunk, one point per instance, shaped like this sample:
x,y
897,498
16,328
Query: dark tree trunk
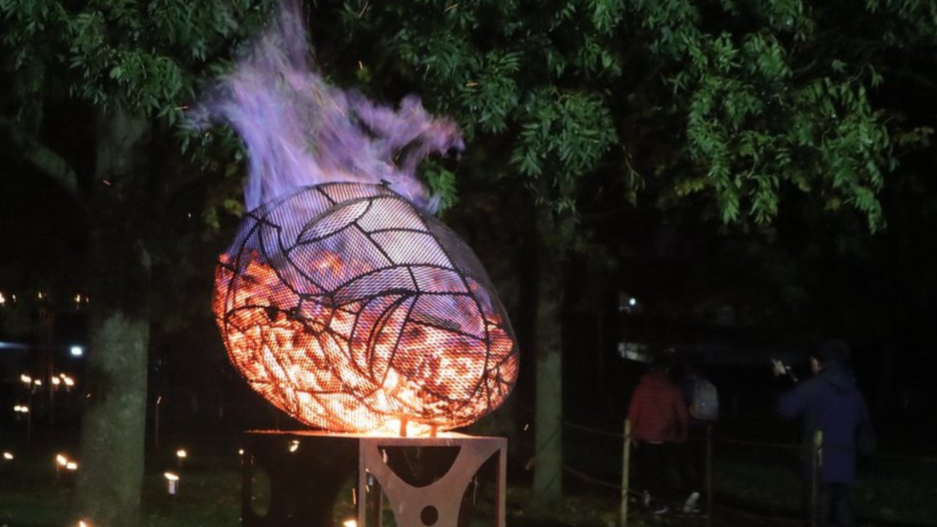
x,y
108,487
548,472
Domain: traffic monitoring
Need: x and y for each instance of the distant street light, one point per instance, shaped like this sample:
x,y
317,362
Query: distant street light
x,y
77,351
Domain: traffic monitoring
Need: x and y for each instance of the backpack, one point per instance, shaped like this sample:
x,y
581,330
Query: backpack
x,y
704,405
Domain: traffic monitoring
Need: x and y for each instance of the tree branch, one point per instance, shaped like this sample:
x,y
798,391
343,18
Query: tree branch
x,y
41,157
912,76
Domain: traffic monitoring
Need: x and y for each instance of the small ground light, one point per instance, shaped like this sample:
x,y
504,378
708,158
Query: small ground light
x,y
82,523
68,381
37,382
172,483
350,523
60,463
71,465
26,379
294,445
8,456
56,381
181,453
76,351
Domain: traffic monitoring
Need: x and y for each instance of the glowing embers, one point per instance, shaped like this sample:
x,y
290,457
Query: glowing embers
x,y
350,310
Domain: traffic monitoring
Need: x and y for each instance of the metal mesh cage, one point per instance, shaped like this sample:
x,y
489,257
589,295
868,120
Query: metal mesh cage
x,y
351,310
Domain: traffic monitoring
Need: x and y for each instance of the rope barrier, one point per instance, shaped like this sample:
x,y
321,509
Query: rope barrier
x,y
591,479
593,430
745,442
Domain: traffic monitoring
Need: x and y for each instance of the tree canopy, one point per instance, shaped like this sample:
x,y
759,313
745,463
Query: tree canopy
x,y
751,100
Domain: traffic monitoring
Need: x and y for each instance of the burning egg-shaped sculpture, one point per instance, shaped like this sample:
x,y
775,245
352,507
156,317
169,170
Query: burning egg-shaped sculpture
x,y
351,310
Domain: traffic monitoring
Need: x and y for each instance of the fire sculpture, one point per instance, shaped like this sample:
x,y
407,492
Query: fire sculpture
x,y
342,300
351,310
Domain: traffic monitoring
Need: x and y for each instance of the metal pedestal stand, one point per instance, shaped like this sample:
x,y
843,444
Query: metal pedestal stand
x,y
426,481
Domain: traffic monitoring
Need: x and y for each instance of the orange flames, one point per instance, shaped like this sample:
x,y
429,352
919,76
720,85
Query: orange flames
x,y
361,338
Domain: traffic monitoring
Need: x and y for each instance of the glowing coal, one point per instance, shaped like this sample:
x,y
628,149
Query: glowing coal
x,y
350,309
342,300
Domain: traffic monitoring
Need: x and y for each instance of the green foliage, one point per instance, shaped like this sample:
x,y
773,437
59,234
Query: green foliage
x,y
441,182
772,95
495,67
142,56
763,115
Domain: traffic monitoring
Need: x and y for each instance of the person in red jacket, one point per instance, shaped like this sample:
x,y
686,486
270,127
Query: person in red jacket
x,y
659,422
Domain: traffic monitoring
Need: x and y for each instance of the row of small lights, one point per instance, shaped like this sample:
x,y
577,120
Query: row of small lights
x,y
172,479
61,461
79,298
29,381
56,380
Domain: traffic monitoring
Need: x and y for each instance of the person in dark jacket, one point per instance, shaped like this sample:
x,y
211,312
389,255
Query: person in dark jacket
x,y
659,421
829,402
692,453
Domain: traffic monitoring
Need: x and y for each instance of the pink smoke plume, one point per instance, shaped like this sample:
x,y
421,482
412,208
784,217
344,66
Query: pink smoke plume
x,y
301,131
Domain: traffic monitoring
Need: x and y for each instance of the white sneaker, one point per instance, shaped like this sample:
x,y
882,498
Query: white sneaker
x,y
690,505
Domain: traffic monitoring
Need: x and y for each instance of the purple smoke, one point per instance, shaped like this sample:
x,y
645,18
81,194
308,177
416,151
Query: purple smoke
x,y
300,131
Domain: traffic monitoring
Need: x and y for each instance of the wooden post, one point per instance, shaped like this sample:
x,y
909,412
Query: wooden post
x,y
29,417
709,474
625,468
817,466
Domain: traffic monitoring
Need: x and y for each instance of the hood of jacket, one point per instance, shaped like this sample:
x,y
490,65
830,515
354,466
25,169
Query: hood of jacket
x,y
839,377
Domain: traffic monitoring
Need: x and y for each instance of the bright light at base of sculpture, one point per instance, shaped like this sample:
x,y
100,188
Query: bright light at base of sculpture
x,y
352,311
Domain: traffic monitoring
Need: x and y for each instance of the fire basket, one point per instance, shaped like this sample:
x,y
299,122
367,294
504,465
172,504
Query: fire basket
x,y
352,310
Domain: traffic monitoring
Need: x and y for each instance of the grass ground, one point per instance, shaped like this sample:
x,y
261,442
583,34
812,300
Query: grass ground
x,y
752,487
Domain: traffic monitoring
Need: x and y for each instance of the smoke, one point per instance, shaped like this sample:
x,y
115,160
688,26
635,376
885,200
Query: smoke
x,y
299,130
